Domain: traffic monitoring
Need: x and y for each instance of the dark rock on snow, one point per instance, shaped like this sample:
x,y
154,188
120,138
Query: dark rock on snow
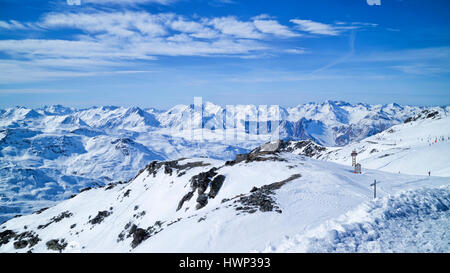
x,y
56,219
56,244
6,236
100,217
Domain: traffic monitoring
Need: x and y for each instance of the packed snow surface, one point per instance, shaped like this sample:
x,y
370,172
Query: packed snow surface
x,y
412,221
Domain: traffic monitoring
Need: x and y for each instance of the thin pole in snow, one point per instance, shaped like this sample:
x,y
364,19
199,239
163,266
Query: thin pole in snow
x,y
374,189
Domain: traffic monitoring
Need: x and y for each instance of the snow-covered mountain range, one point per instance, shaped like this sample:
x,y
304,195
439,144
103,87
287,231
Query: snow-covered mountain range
x,y
266,200
332,123
50,153
419,145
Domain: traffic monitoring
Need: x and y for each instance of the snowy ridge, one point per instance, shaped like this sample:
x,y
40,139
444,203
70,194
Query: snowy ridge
x,y
112,117
419,145
205,205
412,221
331,123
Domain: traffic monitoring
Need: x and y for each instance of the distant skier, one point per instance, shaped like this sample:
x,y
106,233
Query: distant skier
x,y
429,173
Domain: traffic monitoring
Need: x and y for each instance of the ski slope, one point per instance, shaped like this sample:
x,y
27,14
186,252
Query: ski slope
x,y
416,147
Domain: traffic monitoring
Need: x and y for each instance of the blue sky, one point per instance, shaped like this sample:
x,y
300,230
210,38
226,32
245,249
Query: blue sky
x,y
158,53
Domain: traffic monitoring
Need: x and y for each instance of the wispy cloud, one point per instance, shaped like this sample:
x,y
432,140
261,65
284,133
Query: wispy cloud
x,y
34,49
192,28
275,28
34,91
13,25
374,2
95,41
334,29
73,2
344,58
295,51
421,61
315,27
141,35
119,2
434,54
118,38
422,69
119,24
219,3
17,71
231,26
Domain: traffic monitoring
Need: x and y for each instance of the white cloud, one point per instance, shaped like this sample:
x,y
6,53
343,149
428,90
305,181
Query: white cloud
x,y
126,2
315,27
195,29
295,51
263,17
231,26
374,2
12,25
118,39
275,28
144,34
121,24
73,2
189,47
38,49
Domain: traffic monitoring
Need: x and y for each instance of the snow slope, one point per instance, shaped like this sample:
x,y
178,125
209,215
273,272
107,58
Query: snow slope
x,y
415,147
253,203
411,221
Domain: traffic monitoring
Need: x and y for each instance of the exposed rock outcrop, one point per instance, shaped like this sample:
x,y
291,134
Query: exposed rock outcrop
x,y
169,166
425,114
56,244
56,219
260,198
100,217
